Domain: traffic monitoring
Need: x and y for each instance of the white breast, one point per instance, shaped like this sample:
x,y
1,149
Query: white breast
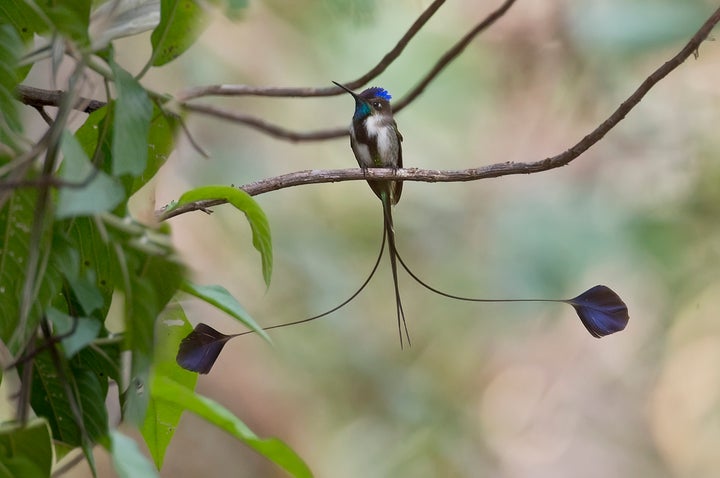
x,y
378,127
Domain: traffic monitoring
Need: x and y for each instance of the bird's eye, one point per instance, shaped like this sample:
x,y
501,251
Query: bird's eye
x,y
377,105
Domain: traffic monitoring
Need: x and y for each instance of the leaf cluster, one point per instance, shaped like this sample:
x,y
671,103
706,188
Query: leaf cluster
x,y
88,294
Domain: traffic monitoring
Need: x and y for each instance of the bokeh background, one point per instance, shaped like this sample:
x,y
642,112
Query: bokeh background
x,y
503,390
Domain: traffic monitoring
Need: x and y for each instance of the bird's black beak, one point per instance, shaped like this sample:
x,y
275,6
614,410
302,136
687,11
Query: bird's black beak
x,y
347,89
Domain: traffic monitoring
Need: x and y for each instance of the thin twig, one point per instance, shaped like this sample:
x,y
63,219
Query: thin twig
x,y
296,136
28,95
472,174
265,126
191,139
49,181
451,54
46,181
36,350
39,97
246,90
46,117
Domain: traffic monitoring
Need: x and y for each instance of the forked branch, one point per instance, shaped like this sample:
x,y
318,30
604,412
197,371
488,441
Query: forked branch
x,y
37,97
482,172
247,90
283,133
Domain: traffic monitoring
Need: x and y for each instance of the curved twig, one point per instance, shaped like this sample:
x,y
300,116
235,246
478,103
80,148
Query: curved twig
x,y
451,54
265,126
319,135
35,96
38,97
246,90
483,172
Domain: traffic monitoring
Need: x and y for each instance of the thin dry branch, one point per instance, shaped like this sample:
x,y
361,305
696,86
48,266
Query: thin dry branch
x,y
265,126
37,97
483,172
246,90
283,133
451,54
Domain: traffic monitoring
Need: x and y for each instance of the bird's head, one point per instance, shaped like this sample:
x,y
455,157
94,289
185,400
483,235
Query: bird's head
x,y
372,101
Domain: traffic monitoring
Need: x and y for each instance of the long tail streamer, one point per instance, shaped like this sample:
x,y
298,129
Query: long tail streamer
x,y
600,309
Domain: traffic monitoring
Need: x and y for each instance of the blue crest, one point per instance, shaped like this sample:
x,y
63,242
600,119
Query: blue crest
x,y
376,92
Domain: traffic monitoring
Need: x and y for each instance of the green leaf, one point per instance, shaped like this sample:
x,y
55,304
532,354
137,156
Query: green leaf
x,y
127,459
219,297
161,140
23,17
26,452
97,266
133,110
15,224
141,309
86,294
85,332
181,23
70,18
162,417
11,48
26,21
89,133
255,216
101,193
92,391
16,219
50,400
151,279
164,389
103,360
152,283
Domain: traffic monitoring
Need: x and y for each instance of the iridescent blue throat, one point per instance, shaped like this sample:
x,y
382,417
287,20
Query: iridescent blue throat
x,y
362,110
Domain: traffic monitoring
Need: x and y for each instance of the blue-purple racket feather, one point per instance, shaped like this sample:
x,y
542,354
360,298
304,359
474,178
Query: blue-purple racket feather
x,y
201,348
601,311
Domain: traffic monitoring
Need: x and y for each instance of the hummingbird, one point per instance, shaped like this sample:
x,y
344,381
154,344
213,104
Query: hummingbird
x,y
377,143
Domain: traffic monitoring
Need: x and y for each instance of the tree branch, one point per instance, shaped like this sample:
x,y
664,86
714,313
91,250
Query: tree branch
x,y
472,174
263,126
451,54
282,133
246,90
38,97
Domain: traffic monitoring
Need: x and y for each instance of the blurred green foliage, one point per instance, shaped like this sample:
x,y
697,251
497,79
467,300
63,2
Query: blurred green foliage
x,y
73,258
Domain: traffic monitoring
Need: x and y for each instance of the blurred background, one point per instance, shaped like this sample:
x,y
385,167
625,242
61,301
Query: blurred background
x,y
503,390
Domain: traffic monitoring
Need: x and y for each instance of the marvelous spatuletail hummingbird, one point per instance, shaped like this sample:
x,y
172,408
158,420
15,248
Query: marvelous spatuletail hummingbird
x,y
376,142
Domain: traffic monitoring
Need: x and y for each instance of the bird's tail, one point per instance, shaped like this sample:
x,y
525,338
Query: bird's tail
x,y
390,232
